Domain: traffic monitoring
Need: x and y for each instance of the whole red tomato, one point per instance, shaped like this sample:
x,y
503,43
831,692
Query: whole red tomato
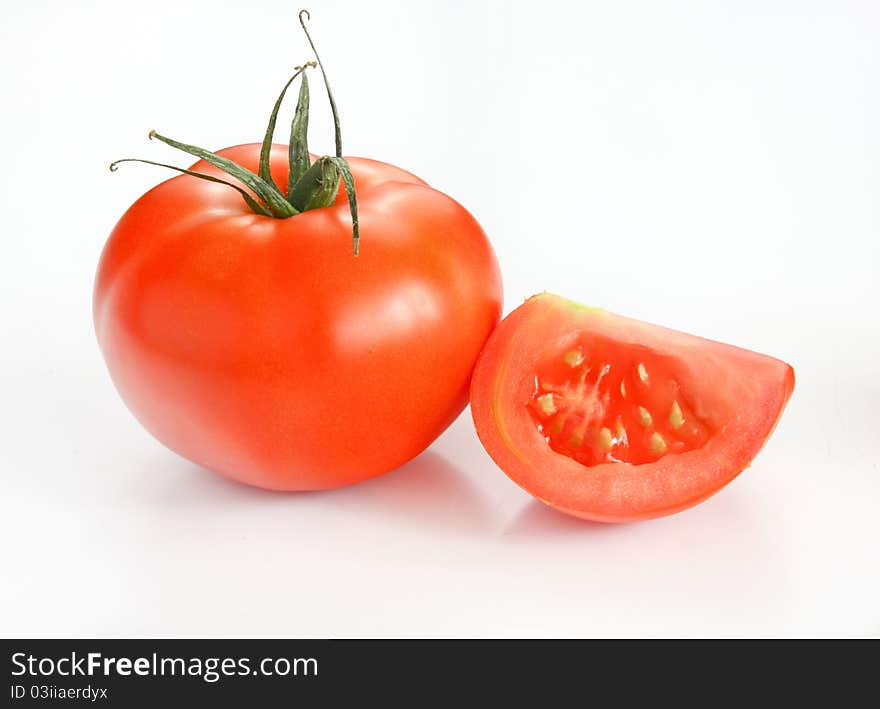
x,y
263,349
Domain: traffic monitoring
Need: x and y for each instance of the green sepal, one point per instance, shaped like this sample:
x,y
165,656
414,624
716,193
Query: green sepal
x,y
250,201
269,194
348,179
266,148
298,148
336,128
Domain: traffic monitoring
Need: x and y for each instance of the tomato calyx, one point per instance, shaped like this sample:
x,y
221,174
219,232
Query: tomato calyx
x,y
310,185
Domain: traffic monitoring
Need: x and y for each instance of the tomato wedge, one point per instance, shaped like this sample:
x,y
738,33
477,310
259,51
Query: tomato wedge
x,y
615,420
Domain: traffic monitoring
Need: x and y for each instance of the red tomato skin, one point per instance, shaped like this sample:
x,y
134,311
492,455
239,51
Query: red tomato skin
x,y
746,395
263,350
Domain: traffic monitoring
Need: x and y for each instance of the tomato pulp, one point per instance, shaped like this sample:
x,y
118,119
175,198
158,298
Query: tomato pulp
x,y
612,419
262,349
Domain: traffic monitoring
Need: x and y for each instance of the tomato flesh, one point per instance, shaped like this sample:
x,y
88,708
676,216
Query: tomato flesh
x,y
597,401
615,420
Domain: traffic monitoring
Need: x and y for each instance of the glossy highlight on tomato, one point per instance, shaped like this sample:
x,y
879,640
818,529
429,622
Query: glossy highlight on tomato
x,y
263,349
612,419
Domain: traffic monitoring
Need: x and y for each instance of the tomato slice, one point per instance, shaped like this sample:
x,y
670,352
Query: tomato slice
x,y
613,419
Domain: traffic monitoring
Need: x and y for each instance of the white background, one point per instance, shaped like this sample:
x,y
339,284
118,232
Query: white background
x,y
711,166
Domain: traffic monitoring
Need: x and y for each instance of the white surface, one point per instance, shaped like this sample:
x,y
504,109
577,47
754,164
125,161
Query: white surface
x,y
709,166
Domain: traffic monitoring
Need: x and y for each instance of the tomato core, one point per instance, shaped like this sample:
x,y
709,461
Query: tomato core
x,y
599,401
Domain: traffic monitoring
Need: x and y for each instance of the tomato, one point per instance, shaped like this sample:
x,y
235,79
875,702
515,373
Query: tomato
x,y
263,349
612,419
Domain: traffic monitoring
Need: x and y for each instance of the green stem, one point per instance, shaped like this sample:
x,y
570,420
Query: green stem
x,y
266,148
251,202
338,130
278,206
317,187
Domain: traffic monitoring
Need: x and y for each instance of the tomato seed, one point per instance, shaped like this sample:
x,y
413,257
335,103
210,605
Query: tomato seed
x,y
573,358
676,418
658,445
547,404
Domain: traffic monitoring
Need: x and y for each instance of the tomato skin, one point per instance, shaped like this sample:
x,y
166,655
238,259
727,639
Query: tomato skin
x,y
741,394
263,350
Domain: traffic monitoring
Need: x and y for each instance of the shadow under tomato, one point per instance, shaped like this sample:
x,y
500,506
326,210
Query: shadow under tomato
x,y
729,508
537,519
427,492
730,527
720,553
